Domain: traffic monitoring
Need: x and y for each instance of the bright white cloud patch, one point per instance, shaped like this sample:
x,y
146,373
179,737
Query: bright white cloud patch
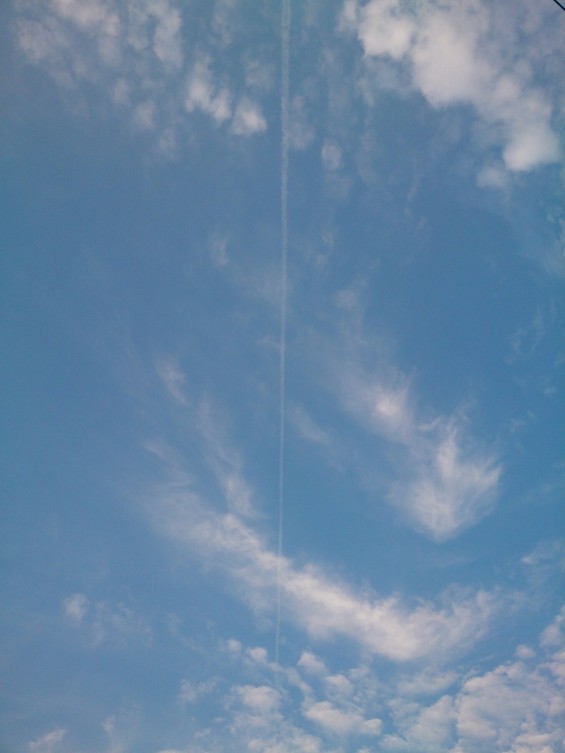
x,y
456,56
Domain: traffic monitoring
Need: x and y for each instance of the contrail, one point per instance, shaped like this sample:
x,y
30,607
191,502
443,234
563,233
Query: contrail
x,y
284,105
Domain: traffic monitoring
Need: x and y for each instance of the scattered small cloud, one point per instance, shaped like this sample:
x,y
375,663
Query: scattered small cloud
x,y
116,625
173,379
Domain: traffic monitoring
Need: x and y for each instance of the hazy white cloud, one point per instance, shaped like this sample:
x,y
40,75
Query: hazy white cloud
x,y
306,427
331,155
173,379
202,93
74,608
324,607
191,692
224,460
445,482
49,742
487,69
248,118
116,624
135,53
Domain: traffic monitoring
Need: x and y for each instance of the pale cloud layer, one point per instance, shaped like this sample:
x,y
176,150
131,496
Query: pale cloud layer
x,y
457,55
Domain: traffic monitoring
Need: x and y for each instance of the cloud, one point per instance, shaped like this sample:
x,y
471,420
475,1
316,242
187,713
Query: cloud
x,y
321,605
75,607
518,706
487,70
445,481
202,93
248,118
311,664
48,743
173,379
340,721
261,699
224,460
136,55
103,623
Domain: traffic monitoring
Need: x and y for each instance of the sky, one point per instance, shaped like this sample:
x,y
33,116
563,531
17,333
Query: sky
x,y
282,333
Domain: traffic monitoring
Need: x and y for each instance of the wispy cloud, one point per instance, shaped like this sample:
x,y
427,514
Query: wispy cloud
x,y
487,69
445,481
324,607
104,623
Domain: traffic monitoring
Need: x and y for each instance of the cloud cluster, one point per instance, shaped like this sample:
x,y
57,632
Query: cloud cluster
x,y
516,706
135,55
455,54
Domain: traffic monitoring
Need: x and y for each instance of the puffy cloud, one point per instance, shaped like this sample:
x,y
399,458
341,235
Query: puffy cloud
x,y
341,721
311,664
518,706
486,69
262,699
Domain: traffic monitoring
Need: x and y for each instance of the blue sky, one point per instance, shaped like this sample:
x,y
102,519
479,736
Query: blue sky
x,y
419,585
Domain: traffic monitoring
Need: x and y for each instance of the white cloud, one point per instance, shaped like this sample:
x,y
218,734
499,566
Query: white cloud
x,y
75,607
224,460
49,742
136,56
341,721
331,155
306,427
261,699
517,707
203,94
248,118
486,69
324,607
173,379
446,482
191,692
311,664
116,624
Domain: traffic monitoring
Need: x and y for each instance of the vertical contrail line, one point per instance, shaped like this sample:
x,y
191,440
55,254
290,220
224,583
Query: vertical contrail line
x,y
284,114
